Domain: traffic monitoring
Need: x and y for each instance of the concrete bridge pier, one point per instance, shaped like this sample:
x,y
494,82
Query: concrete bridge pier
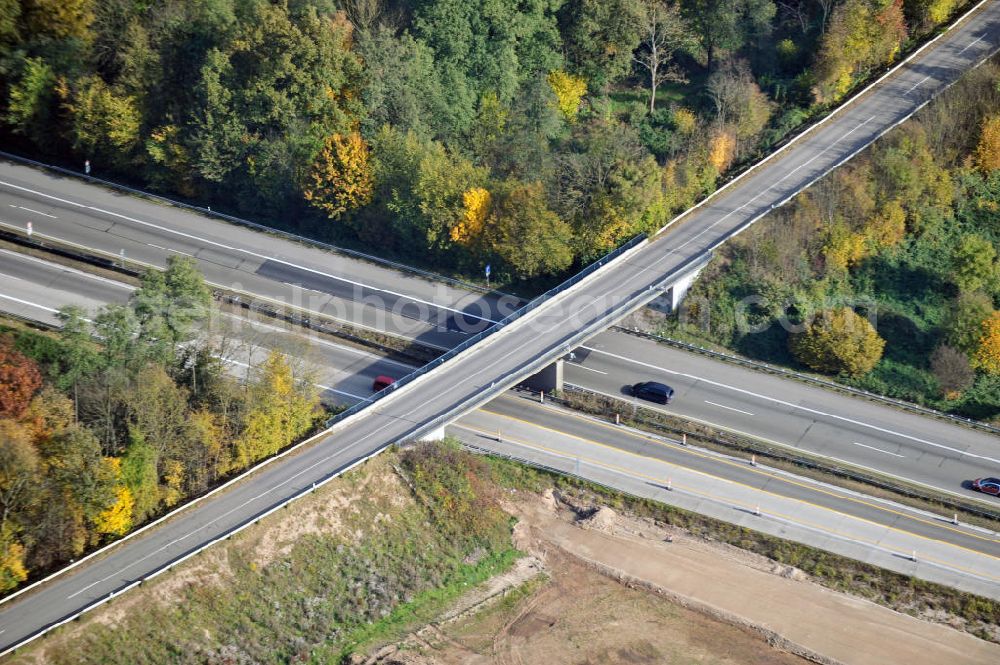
x,y
548,379
675,294
436,434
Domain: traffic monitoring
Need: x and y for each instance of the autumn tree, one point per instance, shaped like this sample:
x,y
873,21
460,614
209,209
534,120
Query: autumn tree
x,y
721,149
18,472
569,90
104,123
59,19
887,228
862,35
738,101
663,33
838,341
987,155
282,409
987,356
20,379
116,518
476,204
529,238
340,179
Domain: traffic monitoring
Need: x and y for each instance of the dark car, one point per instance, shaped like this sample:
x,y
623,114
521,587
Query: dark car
x,y
653,391
987,486
382,382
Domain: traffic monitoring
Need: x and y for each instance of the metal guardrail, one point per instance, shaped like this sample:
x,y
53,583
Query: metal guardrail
x,y
752,446
815,380
496,327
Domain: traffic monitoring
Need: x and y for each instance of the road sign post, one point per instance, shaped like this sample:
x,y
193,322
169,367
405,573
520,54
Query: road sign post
x,y
29,230
487,275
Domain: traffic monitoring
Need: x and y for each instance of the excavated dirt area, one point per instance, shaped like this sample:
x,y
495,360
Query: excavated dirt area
x,y
616,589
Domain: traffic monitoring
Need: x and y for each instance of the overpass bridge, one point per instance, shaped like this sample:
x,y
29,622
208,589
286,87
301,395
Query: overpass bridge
x,y
516,347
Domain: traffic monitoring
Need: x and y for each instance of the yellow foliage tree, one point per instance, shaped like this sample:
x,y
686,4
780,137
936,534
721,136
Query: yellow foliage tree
x,y
105,122
476,207
340,178
888,227
685,121
173,482
116,519
721,149
840,342
843,248
569,90
987,154
281,411
12,570
987,356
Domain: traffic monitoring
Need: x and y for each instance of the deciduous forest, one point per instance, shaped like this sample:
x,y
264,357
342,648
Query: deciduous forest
x,y
533,135
97,438
907,235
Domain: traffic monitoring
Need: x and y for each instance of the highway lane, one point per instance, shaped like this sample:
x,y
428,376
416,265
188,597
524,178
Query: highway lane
x,y
867,434
880,532
486,369
233,257
514,412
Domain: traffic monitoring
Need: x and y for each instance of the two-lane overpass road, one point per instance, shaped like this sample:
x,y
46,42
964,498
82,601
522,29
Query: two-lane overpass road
x,y
866,434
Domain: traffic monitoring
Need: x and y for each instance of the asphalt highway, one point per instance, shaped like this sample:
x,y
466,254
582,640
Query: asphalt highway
x,y
487,368
232,257
909,541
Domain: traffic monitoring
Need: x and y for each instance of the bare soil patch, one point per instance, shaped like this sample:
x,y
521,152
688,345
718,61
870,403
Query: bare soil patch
x,y
622,589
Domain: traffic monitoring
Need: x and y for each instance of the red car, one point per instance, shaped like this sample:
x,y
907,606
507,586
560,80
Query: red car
x,y
382,382
987,486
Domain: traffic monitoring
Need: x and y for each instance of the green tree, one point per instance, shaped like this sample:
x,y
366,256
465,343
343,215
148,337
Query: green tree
x,y
965,324
838,341
726,25
261,119
32,101
608,187
402,88
139,475
422,187
973,263
529,238
489,46
170,305
599,37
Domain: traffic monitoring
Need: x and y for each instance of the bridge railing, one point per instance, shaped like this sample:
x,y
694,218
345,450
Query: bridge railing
x,y
496,327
